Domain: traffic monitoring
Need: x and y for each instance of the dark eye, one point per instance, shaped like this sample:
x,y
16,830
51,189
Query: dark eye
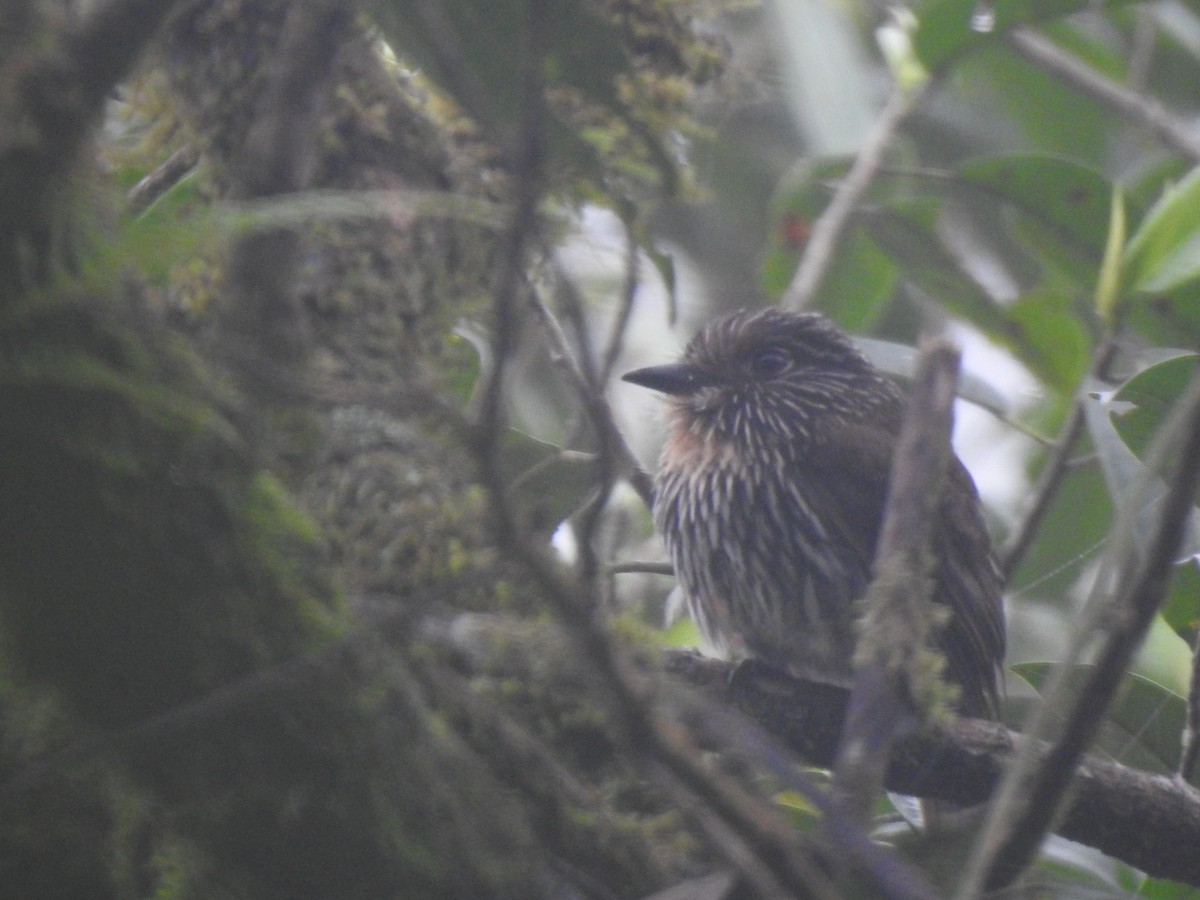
x,y
768,362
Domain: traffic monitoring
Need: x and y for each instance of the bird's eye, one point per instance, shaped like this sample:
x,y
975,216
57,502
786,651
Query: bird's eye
x,y
768,362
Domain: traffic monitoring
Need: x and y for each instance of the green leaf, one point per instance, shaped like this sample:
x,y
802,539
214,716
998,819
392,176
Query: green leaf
x,y
1071,536
1069,198
1040,329
1161,889
1182,609
683,632
1150,395
1051,116
946,30
545,483
1143,725
861,277
1170,319
1164,251
1125,472
1050,338
909,237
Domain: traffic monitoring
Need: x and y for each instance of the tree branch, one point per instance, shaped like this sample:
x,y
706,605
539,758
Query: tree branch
x,y
1035,788
896,628
827,230
1139,108
1149,821
596,406
751,836
1054,471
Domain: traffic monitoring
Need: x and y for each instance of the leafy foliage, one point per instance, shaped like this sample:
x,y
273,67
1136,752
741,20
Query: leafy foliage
x,y
1041,193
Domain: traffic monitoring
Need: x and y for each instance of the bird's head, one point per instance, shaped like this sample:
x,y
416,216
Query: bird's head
x,y
767,376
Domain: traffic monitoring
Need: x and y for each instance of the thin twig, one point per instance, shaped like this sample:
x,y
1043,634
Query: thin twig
x,y
644,568
566,293
1142,109
1033,792
165,176
1055,470
827,230
1191,732
727,727
596,406
616,341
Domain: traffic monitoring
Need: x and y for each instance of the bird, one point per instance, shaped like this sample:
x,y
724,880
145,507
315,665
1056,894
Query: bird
x,y
770,497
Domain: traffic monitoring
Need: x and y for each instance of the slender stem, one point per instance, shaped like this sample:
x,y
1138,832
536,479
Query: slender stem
x,y
597,407
616,342
1054,472
1137,107
827,230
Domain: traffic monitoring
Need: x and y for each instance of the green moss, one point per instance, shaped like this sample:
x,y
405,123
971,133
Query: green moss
x,y
147,558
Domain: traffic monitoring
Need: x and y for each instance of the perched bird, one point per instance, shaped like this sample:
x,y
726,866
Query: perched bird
x,y
771,493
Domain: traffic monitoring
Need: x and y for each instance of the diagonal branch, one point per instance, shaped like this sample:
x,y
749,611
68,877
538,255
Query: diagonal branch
x,y
1034,791
1054,471
750,835
1139,108
827,230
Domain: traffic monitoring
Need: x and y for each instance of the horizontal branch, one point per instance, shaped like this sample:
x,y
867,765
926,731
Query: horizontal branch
x,y
1150,821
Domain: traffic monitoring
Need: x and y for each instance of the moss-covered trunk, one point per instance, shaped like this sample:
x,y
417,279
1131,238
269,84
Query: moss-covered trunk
x,y
229,521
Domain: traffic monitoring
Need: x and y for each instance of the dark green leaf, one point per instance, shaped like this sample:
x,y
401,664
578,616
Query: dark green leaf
x,y
1182,609
1072,535
544,482
1171,319
1051,117
946,29
1050,338
1067,197
1144,724
1151,394
910,238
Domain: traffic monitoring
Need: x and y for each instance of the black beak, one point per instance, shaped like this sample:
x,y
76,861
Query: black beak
x,y
677,380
